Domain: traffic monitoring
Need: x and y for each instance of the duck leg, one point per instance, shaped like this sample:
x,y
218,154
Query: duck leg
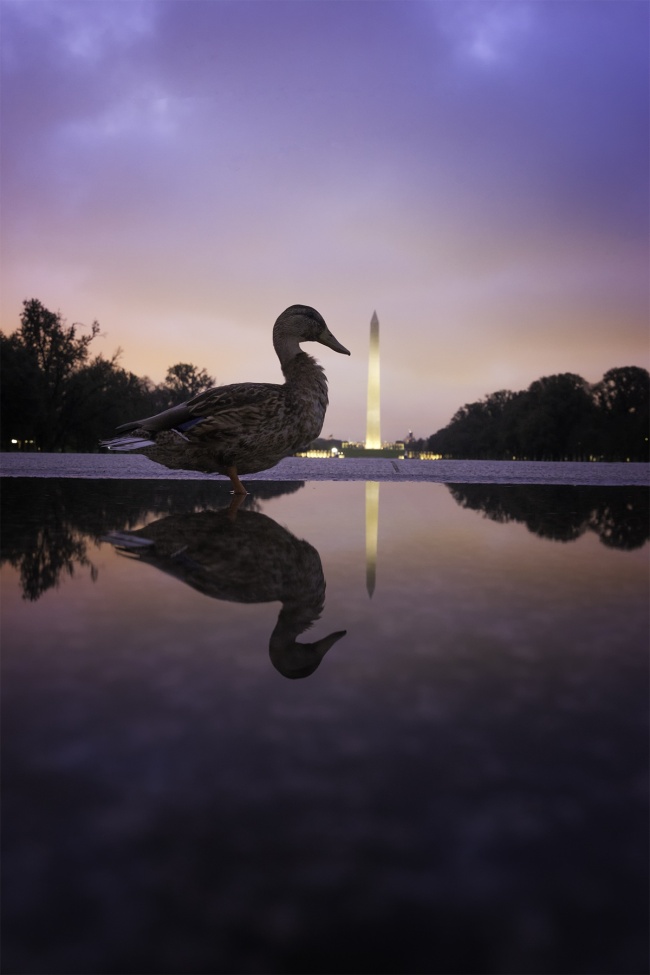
x,y
237,486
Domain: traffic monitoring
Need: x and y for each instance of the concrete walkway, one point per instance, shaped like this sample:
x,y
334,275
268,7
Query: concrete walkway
x,y
116,466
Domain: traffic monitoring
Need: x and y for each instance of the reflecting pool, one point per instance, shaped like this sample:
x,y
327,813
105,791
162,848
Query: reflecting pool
x,y
346,727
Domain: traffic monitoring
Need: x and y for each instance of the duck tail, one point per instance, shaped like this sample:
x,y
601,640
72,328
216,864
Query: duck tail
x,y
126,443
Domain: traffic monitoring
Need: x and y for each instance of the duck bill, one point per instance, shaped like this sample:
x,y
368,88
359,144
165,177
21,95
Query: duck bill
x,y
326,338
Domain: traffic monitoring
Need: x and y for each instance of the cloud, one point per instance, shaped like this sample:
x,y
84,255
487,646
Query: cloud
x,y
475,171
75,29
485,31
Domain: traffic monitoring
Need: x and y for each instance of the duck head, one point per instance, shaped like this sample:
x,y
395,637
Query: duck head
x,y
301,323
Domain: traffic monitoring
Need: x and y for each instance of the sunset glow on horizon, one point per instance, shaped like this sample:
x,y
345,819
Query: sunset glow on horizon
x,y
477,172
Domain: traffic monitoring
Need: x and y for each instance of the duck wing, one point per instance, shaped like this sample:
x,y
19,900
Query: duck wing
x,y
226,402
239,407
236,395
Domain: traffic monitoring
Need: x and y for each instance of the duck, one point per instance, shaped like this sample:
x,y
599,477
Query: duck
x,y
243,428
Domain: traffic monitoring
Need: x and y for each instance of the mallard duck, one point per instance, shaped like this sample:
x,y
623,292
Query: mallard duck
x,y
251,560
244,427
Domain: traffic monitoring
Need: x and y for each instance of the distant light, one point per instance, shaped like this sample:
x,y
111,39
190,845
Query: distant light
x,y
15,441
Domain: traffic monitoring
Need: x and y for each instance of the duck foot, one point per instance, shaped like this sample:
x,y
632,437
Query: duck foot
x,y
238,487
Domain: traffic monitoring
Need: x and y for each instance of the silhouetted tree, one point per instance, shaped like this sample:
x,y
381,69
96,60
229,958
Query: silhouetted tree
x,y
622,398
554,417
54,396
104,395
38,363
183,381
20,403
558,417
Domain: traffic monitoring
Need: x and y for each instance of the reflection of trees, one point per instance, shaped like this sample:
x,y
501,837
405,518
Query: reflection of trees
x,y
52,551
618,515
248,558
47,522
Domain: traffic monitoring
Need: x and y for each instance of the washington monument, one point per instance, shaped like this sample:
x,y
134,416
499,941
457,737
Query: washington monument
x,y
373,437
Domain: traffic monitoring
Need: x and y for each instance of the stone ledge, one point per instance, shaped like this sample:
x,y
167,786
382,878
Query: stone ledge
x,y
127,466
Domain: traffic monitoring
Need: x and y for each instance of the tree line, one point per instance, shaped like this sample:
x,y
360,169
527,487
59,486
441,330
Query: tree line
x,y
57,396
560,417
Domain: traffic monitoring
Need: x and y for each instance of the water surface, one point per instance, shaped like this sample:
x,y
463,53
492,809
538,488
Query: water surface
x,y
451,778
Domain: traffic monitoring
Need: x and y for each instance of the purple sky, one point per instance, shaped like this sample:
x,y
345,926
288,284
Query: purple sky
x,y
477,172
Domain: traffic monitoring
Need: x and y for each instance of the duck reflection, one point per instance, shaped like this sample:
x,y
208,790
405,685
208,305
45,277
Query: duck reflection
x,y
244,559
